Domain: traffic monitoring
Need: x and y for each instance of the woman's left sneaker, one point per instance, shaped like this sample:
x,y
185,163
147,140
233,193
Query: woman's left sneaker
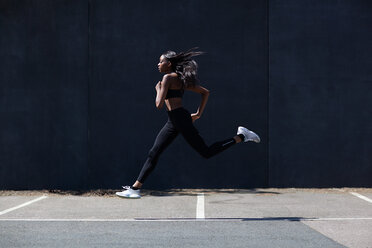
x,y
129,192
248,135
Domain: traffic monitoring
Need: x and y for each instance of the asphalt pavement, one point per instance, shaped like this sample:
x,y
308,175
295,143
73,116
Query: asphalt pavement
x,y
188,218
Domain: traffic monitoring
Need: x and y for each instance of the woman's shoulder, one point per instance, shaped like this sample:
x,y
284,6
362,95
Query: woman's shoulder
x,y
171,75
173,79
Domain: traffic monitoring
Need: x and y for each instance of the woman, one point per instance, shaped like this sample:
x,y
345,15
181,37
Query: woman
x,y
180,74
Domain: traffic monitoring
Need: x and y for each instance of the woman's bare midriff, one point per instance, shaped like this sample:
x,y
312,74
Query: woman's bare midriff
x,y
173,103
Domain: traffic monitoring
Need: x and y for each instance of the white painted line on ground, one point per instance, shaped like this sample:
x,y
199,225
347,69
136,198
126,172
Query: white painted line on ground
x,y
200,206
361,197
186,219
346,218
23,205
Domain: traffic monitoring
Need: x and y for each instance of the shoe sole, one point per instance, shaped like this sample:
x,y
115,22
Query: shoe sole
x,y
256,138
127,197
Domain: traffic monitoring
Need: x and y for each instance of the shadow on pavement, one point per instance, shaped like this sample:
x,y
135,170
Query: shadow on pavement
x,y
195,192
163,193
228,219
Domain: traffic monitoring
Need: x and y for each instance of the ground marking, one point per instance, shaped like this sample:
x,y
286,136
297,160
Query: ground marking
x,y
338,218
23,205
200,206
361,197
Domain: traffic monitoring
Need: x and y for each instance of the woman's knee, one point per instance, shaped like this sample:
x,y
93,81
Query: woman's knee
x,y
153,153
205,154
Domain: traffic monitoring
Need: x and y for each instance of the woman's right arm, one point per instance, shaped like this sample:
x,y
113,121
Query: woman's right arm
x,y
204,98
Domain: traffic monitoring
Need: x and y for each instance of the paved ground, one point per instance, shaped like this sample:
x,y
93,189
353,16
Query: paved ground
x,y
188,218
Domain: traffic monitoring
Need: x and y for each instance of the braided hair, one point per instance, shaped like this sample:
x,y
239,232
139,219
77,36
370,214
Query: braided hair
x,y
185,67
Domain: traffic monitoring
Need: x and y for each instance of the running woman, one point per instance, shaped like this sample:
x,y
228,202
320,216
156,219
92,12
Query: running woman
x,y
180,75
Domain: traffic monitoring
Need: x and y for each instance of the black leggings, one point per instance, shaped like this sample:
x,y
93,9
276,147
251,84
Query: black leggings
x,y
179,121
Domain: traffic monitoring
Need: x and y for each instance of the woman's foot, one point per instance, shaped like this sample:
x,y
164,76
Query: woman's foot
x,y
248,135
129,192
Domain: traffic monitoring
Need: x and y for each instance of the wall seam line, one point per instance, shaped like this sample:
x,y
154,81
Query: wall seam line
x,y
268,93
88,97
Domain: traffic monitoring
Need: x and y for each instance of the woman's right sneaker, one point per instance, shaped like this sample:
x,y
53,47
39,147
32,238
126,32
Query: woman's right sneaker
x,y
129,192
248,135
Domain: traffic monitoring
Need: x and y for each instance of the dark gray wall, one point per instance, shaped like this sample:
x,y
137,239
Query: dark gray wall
x,y
43,94
77,92
320,93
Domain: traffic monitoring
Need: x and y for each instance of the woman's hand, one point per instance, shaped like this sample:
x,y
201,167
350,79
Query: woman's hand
x,y
158,86
195,116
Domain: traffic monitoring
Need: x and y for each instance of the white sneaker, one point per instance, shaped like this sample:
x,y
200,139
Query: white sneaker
x,y
129,193
248,135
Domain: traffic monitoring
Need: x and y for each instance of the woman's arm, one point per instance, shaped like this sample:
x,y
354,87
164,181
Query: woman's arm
x,y
161,91
204,98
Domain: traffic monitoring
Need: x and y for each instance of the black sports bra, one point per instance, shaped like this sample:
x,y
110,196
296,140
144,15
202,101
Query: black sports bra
x,y
174,93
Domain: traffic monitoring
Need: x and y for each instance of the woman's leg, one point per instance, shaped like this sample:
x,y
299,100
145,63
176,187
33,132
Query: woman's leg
x,y
192,137
183,123
166,135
